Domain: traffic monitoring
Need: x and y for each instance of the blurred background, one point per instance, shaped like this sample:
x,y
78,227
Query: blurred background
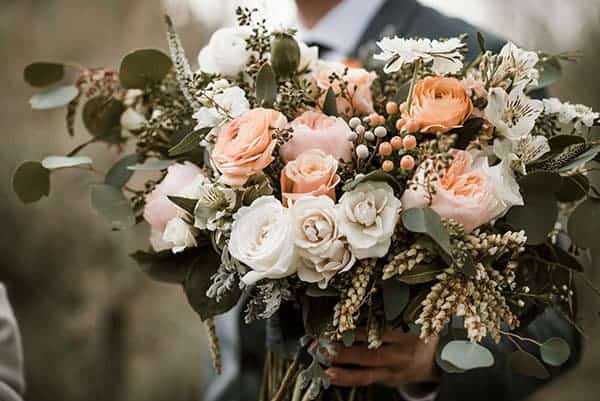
x,y
93,326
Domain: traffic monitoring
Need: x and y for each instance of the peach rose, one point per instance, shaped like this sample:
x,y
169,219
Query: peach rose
x,y
469,191
438,105
245,145
311,173
315,130
359,87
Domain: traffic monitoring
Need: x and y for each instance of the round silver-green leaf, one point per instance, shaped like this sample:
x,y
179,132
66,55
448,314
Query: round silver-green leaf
x,y
467,355
56,162
143,67
43,74
524,363
555,351
110,203
31,181
53,97
152,165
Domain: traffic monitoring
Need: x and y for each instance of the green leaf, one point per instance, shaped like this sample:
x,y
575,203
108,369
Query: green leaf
x,y
43,74
314,291
538,216
189,143
445,365
348,338
423,273
197,282
573,188
524,363
584,224
414,307
53,97
555,351
165,266
330,103
144,67
481,42
395,298
266,86
31,181
119,174
426,221
316,314
467,355
189,205
101,115
581,160
110,203
468,132
377,175
152,165
57,162
550,72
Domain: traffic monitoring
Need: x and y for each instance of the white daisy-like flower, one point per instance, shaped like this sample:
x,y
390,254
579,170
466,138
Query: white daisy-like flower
x,y
513,114
518,153
578,115
519,64
445,56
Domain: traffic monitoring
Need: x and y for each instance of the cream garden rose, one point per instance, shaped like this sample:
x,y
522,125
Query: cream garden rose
x,y
262,238
322,252
368,215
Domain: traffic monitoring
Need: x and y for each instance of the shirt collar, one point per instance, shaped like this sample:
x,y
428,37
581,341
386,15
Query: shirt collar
x,y
343,26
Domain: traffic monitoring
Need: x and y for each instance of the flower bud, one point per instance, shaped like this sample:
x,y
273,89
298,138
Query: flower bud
x,y
285,54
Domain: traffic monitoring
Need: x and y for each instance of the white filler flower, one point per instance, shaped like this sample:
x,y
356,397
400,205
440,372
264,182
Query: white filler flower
x,y
513,114
262,237
368,216
231,102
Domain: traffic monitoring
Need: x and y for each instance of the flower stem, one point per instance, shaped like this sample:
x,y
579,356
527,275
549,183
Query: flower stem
x,y
413,83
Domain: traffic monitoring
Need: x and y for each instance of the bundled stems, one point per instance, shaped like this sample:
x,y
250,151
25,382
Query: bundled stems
x,y
213,341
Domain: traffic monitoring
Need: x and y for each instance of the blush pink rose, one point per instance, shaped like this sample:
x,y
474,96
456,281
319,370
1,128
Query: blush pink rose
x,y
358,90
315,130
463,192
245,146
311,173
159,210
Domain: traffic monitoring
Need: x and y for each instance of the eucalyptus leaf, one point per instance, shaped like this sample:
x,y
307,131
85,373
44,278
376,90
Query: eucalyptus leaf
x,y
423,273
189,205
152,165
266,86
110,203
53,97
197,282
573,188
119,174
445,365
57,162
189,143
101,115
165,266
584,224
550,72
377,175
414,307
555,351
330,103
524,363
143,67
31,181
426,221
395,298
467,355
43,74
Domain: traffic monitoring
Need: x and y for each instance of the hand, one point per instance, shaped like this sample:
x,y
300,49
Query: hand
x,y
402,359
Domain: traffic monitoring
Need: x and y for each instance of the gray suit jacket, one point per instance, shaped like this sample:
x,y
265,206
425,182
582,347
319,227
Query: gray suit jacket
x,y
12,383
241,383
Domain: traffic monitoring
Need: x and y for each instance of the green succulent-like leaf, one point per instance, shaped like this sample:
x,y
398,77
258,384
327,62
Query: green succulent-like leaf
x,y
31,181
189,143
428,222
119,174
266,86
144,67
53,97
197,282
43,74
395,298
555,351
101,115
58,162
467,355
330,103
423,273
524,363
110,203
584,224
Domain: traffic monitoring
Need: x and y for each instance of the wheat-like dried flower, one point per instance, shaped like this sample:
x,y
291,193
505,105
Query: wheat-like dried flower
x,y
347,310
406,260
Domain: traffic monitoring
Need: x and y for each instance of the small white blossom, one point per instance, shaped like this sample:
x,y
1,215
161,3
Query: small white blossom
x,y
179,235
578,115
231,102
518,153
514,115
445,56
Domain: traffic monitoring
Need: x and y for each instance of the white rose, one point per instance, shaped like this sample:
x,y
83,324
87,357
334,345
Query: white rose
x,y
262,237
368,216
322,253
179,235
232,100
226,52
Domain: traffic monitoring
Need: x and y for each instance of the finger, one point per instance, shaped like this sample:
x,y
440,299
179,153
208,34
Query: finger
x,y
358,377
396,336
388,355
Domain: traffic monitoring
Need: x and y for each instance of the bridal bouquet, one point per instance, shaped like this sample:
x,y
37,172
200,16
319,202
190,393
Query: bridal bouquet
x,y
425,193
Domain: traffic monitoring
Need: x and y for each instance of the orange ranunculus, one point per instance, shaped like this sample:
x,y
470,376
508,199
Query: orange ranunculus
x,y
245,145
311,173
438,105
